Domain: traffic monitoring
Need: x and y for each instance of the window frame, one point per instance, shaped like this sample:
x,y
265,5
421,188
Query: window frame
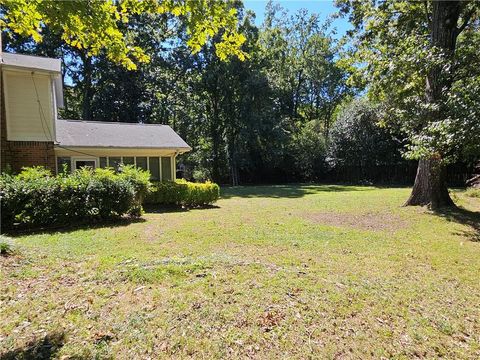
x,y
84,158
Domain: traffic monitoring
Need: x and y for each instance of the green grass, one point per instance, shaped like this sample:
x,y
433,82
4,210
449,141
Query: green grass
x,y
278,271
473,192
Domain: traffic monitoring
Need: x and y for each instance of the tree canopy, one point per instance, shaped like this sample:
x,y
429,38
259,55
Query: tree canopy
x,y
394,54
95,25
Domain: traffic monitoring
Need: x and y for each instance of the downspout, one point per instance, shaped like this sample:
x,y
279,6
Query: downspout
x,y
174,165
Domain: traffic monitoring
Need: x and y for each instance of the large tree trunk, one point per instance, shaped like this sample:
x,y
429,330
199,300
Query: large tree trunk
x,y
430,187
232,155
87,87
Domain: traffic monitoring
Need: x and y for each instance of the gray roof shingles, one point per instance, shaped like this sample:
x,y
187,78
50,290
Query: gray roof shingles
x,y
77,133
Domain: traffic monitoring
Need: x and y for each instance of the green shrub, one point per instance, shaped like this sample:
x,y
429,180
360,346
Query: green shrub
x,y
5,248
36,198
139,179
183,193
34,173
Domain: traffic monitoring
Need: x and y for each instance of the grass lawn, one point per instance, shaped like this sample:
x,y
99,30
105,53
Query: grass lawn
x,y
280,271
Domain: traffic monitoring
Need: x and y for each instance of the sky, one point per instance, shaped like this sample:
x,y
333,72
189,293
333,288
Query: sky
x,y
323,8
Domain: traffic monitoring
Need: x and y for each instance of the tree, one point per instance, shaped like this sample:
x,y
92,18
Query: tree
x,y
357,140
410,54
237,108
303,67
308,151
96,25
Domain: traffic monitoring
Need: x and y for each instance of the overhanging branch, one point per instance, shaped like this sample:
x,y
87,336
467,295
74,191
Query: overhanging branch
x,y
466,20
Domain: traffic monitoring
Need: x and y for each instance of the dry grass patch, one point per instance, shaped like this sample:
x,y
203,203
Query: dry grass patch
x,y
367,221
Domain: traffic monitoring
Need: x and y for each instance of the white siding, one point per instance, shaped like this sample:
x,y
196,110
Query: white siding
x,y
58,85
25,120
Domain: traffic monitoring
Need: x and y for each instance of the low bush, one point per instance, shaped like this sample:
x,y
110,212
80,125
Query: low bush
x,y
35,198
183,193
5,248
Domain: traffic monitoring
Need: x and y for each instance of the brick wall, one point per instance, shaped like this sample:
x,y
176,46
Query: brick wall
x,y
17,154
31,153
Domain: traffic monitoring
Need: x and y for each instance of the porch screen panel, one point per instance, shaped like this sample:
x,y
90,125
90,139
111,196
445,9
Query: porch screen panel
x,y
64,163
129,160
154,168
142,163
103,162
167,169
114,162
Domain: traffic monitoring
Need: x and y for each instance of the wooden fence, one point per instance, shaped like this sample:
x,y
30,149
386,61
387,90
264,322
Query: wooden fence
x,y
402,174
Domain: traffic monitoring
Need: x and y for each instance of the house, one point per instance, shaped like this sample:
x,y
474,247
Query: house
x,y
33,135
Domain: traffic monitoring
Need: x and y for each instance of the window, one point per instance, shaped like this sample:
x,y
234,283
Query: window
x,y
153,164
167,169
129,160
142,163
85,163
64,165
103,162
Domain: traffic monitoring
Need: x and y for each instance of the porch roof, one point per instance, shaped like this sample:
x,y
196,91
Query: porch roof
x,y
97,134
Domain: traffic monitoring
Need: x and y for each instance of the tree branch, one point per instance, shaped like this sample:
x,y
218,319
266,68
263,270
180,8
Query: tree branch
x,y
427,15
468,16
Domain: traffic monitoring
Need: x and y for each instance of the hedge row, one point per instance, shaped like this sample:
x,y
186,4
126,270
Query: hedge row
x,y
183,193
35,198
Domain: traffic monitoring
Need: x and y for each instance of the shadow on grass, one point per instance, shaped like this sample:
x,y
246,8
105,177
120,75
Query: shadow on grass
x,y
16,232
285,191
45,348
165,209
125,221
465,217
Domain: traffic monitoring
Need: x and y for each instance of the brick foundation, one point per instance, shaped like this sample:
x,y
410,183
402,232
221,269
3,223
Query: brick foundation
x,y
29,153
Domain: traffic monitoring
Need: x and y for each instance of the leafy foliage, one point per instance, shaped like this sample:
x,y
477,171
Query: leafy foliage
x,y
96,26
303,66
36,198
267,118
356,138
394,55
308,150
183,193
139,179
5,248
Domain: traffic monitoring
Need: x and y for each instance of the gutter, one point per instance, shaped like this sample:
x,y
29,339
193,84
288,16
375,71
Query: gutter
x,y
175,148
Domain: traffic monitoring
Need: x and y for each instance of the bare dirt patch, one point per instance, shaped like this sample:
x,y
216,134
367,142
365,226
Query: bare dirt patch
x,y
367,221
153,232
